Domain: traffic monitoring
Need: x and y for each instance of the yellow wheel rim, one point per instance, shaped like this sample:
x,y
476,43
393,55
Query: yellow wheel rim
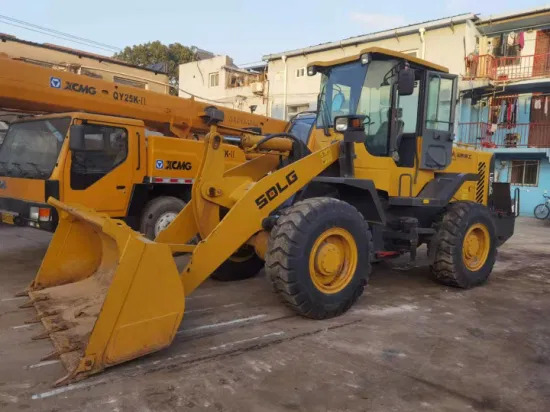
x,y
476,246
333,260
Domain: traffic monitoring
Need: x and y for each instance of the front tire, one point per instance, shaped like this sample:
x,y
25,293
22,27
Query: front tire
x,y
542,211
158,214
318,257
465,246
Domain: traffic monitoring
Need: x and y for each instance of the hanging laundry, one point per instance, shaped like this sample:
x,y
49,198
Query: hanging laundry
x,y
538,104
511,38
546,105
521,40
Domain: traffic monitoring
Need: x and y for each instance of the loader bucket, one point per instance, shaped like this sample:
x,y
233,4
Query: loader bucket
x,y
104,293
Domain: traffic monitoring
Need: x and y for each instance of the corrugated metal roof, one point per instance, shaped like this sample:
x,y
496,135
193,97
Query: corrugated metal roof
x,y
503,16
398,31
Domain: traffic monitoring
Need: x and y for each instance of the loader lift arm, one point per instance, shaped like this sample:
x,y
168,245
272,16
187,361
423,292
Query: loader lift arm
x,y
250,199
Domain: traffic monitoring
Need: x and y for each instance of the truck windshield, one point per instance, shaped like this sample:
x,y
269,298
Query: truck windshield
x,y
30,149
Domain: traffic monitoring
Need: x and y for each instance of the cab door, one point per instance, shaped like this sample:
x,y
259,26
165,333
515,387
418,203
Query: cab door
x,y
98,174
439,110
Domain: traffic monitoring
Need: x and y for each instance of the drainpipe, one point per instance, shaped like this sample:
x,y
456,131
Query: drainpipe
x,y
284,88
422,31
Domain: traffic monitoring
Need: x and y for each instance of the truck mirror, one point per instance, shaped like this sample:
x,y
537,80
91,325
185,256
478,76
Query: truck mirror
x,y
405,81
76,138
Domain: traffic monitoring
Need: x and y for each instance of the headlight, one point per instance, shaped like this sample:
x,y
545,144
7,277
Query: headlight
x,y
341,124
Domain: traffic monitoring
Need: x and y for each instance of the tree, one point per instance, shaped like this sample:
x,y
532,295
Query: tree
x,y
155,53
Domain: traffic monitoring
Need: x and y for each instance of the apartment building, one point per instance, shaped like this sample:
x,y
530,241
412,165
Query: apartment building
x,y
505,100
216,79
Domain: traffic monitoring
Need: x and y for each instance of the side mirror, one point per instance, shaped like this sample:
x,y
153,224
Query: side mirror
x,y
405,81
76,138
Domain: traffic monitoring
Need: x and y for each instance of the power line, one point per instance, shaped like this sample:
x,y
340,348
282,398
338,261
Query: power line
x,y
57,34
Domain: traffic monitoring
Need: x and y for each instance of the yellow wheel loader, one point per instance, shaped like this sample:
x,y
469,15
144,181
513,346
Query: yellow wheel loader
x,y
377,176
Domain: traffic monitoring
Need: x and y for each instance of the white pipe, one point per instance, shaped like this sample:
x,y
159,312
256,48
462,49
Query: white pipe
x,y
284,88
422,31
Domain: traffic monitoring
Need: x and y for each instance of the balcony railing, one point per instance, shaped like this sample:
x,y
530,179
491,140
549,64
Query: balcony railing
x,y
505,135
505,69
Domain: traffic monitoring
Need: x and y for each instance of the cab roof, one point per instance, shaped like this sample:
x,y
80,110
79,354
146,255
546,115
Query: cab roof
x,y
384,52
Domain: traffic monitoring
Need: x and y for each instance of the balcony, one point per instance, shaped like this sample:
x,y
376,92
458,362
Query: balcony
x,y
506,69
506,136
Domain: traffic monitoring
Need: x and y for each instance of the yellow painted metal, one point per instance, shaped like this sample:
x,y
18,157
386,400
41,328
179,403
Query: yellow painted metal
x,y
333,260
244,219
260,242
476,246
383,51
104,293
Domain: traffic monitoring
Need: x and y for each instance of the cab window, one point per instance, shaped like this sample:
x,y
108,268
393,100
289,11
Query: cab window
x,y
105,148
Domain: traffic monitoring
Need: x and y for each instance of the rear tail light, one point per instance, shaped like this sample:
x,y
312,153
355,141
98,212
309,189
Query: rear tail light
x,y
44,214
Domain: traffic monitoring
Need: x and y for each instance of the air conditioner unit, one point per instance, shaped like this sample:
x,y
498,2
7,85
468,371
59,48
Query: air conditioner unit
x,y
257,88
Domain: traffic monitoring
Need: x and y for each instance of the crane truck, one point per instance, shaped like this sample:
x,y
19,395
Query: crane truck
x,y
132,166
378,176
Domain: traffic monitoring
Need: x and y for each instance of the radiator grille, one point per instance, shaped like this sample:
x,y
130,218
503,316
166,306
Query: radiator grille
x,y
480,186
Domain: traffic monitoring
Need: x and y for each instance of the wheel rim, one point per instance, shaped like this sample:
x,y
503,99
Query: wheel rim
x,y
243,254
475,248
542,211
333,260
163,221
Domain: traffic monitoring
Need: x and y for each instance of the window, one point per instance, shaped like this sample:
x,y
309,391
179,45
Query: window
x,y
375,102
409,110
91,73
440,95
31,148
130,82
294,110
523,172
213,79
105,148
301,72
301,126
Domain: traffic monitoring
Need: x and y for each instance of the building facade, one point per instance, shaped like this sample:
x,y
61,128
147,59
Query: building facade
x,y
505,100
216,79
444,41
85,63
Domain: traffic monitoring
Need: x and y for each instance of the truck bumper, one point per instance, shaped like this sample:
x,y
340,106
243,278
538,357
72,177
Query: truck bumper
x,y
18,212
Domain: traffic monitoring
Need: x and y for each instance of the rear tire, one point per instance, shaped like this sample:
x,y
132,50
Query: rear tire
x,y
542,211
318,257
242,265
465,246
158,214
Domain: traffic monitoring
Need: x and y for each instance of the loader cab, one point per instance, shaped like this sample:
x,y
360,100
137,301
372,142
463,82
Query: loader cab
x,y
399,98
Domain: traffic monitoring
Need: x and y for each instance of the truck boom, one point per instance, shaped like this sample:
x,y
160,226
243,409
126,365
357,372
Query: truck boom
x,y
28,87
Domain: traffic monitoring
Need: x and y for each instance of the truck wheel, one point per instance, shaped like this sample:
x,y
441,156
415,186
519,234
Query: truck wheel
x,y
243,264
318,257
158,214
465,246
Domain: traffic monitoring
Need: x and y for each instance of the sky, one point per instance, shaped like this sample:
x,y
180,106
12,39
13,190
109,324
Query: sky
x,y
245,30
